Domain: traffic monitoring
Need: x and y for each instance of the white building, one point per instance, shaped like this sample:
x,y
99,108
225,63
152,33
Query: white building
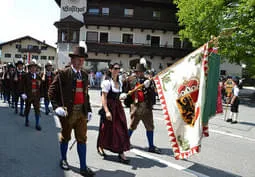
x,y
27,48
120,31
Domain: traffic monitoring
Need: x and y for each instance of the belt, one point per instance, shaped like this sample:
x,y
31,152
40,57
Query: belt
x,y
77,107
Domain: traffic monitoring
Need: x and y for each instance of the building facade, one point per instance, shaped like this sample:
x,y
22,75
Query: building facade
x,y
121,31
27,48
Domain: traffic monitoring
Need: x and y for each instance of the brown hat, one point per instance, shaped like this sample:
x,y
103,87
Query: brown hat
x,y
79,52
140,68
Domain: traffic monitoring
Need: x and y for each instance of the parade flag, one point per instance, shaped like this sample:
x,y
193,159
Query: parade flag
x,y
188,94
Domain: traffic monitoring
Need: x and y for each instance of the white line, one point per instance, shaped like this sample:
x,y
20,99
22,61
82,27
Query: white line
x,y
224,133
230,134
169,164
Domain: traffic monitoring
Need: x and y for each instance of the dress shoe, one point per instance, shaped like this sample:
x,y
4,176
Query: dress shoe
x,y
101,152
21,114
124,161
229,120
154,149
87,172
38,127
234,122
64,165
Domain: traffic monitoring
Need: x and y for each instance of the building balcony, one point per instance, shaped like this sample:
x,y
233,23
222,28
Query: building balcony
x,y
125,22
29,50
137,49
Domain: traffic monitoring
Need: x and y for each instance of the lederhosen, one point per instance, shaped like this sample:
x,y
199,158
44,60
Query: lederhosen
x,y
34,96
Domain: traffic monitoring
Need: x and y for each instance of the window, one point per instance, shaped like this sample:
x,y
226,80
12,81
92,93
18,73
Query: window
x,y
156,14
128,12
127,38
187,44
18,46
29,46
92,36
105,11
43,57
93,11
155,41
36,47
177,42
51,57
103,37
223,72
43,47
64,36
17,56
73,36
7,55
35,57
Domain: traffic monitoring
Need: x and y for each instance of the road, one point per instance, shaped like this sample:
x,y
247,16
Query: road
x,y
227,152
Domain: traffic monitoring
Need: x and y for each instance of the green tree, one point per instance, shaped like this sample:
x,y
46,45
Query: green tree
x,y
200,19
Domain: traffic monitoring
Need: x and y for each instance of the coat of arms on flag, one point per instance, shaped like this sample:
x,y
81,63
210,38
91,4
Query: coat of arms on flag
x,y
182,89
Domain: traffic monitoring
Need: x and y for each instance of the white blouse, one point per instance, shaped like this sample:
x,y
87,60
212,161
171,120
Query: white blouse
x,y
107,84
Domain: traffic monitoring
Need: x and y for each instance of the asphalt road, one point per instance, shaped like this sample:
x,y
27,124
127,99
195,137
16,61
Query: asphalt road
x,y
227,152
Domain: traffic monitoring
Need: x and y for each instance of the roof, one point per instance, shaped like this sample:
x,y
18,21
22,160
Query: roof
x,y
23,38
69,20
58,2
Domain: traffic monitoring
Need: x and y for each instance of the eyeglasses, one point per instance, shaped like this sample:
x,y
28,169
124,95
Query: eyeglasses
x,y
116,68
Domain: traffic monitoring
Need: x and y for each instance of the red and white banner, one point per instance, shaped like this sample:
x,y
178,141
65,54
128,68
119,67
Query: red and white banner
x,y
181,89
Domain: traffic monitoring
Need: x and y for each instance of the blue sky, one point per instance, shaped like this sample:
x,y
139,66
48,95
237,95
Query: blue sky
x,y
35,18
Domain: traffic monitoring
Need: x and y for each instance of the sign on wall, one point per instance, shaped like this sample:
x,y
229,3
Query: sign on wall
x,y
75,8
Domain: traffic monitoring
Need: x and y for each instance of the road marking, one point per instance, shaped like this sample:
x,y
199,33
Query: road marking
x,y
169,164
224,133
230,134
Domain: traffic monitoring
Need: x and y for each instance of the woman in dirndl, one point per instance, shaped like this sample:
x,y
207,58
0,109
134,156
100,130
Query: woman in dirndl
x,y
113,135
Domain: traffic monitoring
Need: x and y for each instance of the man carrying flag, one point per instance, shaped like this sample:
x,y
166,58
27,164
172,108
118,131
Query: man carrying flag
x,y
141,104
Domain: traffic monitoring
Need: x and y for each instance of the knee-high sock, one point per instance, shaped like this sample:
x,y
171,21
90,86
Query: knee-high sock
x,y
130,132
26,119
235,116
46,104
21,105
63,150
37,117
82,151
231,115
150,138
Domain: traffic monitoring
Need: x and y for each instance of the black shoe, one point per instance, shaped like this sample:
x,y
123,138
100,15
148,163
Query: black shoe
x,y
38,127
64,165
229,120
124,161
87,172
234,122
154,149
16,111
101,152
21,114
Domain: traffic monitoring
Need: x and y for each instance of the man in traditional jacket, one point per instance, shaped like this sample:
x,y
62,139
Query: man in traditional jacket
x,y
8,82
19,86
69,97
141,102
32,92
47,79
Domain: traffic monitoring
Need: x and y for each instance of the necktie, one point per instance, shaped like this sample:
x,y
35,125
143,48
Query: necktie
x,y
79,75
